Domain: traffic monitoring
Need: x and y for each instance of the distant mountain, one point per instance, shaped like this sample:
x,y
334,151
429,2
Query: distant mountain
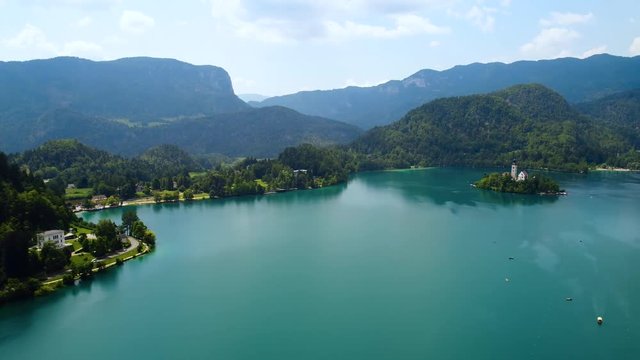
x,y
135,90
254,132
621,110
530,123
578,80
128,105
252,97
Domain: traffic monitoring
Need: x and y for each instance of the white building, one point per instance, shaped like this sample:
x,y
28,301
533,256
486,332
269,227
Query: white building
x,y
514,170
54,236
523,175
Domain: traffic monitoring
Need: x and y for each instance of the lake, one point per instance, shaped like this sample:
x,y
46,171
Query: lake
x,y
393,265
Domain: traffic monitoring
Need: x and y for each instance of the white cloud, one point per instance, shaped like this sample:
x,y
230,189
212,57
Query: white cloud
x,y
135,22
481,17
634,48
565,19
405,25
82,4
434,43
505,3
596,50
84,22
81,48
277,21
31,37
552,42
34,40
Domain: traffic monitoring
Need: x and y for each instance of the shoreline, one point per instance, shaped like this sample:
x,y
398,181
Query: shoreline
x,y
615,170
150,200
48,287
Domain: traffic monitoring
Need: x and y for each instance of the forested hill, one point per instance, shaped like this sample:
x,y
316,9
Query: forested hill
x,y
135,89
620,110
261,132
577,80
27,206
71,162
528,122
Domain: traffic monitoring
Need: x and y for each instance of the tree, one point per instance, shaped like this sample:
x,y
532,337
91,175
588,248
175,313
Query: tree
x,y
113,200
108,239
138,229
149,238
128,218
106,228
53,259
188,194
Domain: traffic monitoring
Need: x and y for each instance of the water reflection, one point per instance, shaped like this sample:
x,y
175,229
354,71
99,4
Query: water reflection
x,y
442,186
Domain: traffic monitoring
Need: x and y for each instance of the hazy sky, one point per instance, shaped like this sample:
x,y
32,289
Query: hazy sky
x,y
275,47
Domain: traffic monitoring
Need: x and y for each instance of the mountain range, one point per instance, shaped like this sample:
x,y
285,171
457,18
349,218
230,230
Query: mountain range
x,y
578,80
128,105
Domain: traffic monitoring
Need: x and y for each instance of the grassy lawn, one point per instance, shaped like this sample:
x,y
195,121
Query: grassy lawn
x,y
75,243
121,256
200,196
77,194
81,259
193,174
81,230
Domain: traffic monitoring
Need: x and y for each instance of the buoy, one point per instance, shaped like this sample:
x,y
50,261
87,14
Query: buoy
x,y
506,279
599,320
511,258
568,299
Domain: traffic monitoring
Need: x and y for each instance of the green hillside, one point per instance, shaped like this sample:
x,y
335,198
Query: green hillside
x,y
621,110
27,207
529,122
254,132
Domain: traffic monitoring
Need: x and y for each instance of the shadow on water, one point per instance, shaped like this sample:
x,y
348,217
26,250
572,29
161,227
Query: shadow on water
x,y
284,198
442,186
17,318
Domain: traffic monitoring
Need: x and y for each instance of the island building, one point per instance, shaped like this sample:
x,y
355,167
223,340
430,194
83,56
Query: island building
x,y
522,176
54,236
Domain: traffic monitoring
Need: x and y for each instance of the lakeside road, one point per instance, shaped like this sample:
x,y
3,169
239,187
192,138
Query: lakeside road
x,y
615,169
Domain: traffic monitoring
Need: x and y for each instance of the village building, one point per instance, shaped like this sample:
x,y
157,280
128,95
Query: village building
x,y
522,176
54,236
98,198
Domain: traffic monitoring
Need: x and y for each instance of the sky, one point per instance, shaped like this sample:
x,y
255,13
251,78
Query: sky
x,y
275,47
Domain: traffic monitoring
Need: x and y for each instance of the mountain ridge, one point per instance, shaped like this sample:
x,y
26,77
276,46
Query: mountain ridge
x,y
576,79
140,89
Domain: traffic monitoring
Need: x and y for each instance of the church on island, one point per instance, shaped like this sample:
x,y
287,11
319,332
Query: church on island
x,y
522,176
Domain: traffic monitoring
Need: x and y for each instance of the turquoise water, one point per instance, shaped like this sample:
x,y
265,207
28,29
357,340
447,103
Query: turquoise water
x,y
392,265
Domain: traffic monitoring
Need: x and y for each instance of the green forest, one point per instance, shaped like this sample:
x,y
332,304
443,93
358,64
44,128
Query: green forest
x,y
529,122
27,207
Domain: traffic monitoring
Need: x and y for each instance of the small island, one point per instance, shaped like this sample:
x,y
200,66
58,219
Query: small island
x,y
519,183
